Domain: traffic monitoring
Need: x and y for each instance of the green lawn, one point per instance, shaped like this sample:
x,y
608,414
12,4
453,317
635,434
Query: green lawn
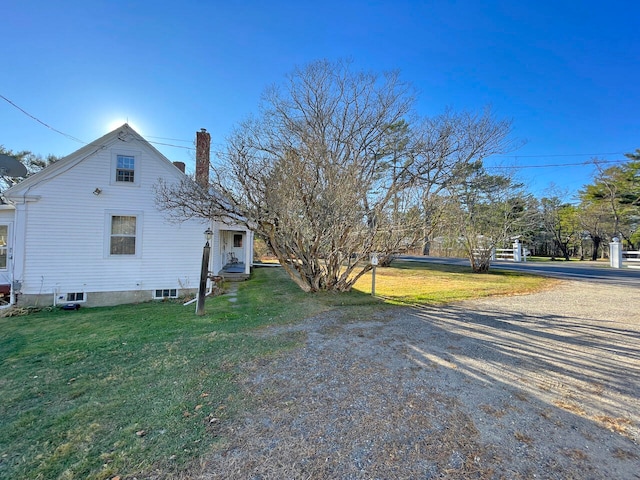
x,y
101,392
434,284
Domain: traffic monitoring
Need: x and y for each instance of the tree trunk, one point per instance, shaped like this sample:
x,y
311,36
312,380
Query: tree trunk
x,y
426,249
564,249
596,245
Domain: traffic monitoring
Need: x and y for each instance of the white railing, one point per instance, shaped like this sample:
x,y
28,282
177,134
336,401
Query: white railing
x,y
503,254
516,254
632,257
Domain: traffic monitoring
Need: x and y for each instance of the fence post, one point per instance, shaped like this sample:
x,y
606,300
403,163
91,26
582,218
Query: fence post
x,y
517,252
615,253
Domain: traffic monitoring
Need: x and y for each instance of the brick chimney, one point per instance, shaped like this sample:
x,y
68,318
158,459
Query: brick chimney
x,y
180,166
203,146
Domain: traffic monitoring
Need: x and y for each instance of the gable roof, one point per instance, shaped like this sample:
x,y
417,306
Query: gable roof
x,y
122,133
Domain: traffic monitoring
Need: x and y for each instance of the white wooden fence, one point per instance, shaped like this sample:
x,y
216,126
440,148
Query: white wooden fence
x,y
631,258
619,258
517,253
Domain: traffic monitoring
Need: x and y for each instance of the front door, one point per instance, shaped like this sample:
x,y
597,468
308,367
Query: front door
x,y
233,247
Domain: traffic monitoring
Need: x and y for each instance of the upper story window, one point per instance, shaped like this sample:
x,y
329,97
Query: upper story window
x,y
125,168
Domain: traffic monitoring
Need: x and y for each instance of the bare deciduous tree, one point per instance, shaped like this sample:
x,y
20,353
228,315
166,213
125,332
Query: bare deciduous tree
x,y
332,169
447,148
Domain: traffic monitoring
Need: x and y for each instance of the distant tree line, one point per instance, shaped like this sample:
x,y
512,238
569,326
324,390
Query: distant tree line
x,y
608,207
556,226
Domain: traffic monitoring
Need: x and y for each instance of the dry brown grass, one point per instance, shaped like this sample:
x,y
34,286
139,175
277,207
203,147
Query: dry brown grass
x,y
524,438
595,388
372,446
624,454
618,425
354,424
489,410
571,407
523,397
547,414
575,454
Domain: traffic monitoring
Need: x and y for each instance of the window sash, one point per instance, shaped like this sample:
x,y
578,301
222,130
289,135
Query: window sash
x,y
123,235
166,293
125,169
4,234
75,297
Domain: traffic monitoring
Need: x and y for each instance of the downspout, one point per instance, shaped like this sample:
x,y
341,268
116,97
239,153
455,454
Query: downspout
x,y
12,292
19,224
11,262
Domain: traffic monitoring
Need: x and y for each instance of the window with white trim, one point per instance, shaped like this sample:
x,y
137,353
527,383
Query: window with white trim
x,y
122,239
166,293
4,236
75,297
125,168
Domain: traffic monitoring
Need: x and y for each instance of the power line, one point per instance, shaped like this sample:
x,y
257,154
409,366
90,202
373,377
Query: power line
x,y
71,137
40,121
559,155
554,165
514,157
171,145
512,167
172,139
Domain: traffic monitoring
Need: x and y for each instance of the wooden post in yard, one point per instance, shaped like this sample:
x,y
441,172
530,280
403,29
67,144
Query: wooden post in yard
x,y
204,273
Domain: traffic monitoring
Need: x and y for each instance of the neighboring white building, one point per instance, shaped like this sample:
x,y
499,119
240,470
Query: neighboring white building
x,y
87,230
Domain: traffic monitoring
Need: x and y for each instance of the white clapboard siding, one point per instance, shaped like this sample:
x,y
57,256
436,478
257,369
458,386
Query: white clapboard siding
x,y
66,227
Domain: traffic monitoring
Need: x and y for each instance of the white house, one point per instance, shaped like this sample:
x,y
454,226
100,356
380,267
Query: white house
x,y
87,230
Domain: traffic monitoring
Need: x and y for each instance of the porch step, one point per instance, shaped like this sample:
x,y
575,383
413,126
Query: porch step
x,y
234,272
234,277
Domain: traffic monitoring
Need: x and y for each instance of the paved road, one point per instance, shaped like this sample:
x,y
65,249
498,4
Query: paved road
x,y
587,271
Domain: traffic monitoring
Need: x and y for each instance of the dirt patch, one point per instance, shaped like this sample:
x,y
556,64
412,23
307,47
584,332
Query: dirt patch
x,y
538,386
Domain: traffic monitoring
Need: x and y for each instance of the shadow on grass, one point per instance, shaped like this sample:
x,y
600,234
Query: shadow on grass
x,y
120,391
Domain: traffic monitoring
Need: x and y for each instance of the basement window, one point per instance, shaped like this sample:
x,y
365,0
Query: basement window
x,y
166,293
75,297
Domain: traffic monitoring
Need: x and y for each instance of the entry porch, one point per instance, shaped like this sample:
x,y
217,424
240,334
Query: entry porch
x,y
235,255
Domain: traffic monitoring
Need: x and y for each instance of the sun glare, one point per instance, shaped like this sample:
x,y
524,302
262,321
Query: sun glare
x,y
113,124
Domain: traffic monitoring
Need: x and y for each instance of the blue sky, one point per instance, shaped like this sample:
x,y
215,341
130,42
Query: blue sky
x,y
565,72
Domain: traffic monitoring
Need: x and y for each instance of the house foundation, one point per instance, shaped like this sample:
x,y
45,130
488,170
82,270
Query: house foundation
x,y
97,299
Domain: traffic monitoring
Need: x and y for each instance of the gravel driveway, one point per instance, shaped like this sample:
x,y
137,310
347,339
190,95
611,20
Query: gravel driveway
x,y
537,386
